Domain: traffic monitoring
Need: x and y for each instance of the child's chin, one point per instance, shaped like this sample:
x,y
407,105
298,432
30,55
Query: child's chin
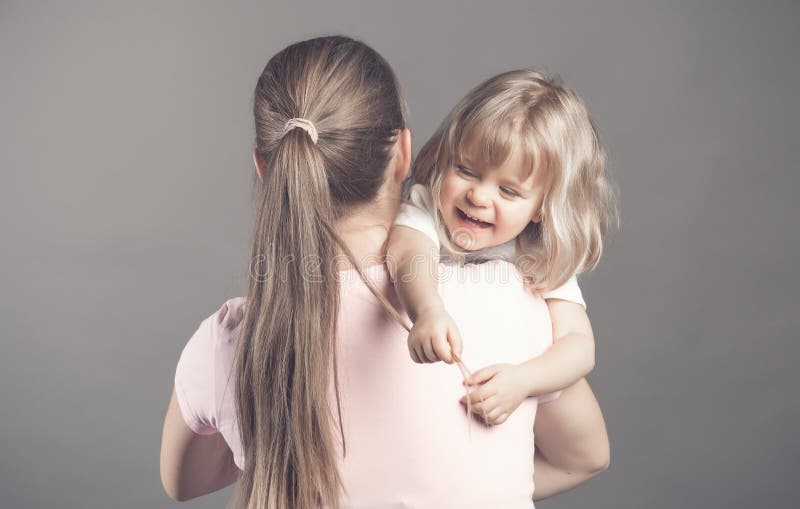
x,y
467,244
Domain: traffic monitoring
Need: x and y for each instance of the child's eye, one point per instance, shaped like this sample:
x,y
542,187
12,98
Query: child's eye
x,y
465,172
509,192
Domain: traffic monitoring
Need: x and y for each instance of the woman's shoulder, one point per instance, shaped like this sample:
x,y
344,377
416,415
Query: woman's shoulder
x,y
203,365
228,318
496,277
215,333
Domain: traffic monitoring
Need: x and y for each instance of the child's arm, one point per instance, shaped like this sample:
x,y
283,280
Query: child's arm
x,y
413,260
504,386
570,358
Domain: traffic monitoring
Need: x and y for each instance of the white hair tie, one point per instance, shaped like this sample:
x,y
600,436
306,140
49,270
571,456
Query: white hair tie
x,y
303,124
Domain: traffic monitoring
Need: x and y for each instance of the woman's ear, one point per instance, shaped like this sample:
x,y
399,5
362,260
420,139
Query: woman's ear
x,y
260,164
402,156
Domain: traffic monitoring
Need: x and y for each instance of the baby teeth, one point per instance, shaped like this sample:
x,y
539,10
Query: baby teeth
x,y
474,218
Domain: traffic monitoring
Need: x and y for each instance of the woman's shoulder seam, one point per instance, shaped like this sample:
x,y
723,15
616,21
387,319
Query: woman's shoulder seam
x,y
230,314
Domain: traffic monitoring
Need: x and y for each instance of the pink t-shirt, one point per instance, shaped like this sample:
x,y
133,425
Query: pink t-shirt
x,y
407,436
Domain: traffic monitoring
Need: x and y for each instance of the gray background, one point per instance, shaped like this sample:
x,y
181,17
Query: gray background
x,y
125,139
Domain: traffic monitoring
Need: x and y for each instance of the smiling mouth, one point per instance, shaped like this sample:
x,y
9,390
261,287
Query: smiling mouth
x,y
474,221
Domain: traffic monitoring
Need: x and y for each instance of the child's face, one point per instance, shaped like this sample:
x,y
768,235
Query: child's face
x,y
486,207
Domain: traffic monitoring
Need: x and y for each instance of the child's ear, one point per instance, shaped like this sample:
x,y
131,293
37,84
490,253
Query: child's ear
x,y
402,156
260,164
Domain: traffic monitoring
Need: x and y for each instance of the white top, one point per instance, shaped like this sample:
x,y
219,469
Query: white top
x,y
418,213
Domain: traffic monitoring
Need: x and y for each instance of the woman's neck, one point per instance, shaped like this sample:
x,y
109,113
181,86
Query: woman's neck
x,y
366,230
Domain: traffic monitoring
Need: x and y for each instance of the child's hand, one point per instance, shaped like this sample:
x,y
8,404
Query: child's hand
x,y
501,390
433,337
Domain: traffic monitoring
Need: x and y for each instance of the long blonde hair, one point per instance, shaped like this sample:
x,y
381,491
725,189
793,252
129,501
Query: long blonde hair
x,y
286,353
523,109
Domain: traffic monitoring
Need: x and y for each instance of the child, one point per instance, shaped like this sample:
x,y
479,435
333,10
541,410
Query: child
x,y
514,172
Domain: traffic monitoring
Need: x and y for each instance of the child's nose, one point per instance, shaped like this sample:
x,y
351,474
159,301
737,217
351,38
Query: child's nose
x,y
478,196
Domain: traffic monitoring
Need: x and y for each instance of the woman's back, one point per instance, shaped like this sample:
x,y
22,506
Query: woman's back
x,y
332,150
408,443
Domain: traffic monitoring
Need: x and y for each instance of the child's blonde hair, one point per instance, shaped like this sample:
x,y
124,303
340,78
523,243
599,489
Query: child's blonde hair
x,y
550,124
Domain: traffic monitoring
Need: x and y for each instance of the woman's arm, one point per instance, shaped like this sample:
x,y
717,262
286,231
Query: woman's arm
x,y
550,480
192,464
571,436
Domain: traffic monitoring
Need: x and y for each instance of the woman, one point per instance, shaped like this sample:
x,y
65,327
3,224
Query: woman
x,y
305,385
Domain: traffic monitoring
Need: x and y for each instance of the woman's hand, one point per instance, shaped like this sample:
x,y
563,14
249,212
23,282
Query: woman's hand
x,y
434,336
501,389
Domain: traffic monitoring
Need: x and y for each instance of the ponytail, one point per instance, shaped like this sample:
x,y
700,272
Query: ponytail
x,y
327,113
299,306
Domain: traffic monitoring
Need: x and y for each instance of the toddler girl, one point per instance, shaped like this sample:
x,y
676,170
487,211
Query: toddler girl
x,y
515,172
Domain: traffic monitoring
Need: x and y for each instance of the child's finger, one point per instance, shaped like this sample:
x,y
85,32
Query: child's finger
x,y
454,338
412,349
429,354
497,418
480,394
442,349
483,407
493,415
483,374
420,354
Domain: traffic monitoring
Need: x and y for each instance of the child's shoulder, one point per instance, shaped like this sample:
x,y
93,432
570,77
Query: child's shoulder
x,y
417,212
420,196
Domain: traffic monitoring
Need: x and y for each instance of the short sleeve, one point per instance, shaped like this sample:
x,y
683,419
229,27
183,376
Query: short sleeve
x,y
568,291
417,213
194,378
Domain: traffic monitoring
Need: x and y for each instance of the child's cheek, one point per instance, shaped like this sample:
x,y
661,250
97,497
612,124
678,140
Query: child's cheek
x,y
447,193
